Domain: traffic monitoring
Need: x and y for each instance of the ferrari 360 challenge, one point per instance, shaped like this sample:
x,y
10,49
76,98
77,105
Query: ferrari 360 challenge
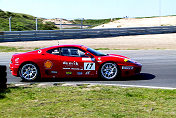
x,y
64,61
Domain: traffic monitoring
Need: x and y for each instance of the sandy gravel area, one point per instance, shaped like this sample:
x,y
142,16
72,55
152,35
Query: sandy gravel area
x,y
156,41
143,22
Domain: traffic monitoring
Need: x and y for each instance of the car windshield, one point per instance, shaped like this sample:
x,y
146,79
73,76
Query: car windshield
x,y
97,53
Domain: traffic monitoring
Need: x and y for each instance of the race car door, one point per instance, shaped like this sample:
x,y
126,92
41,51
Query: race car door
x,y
75,63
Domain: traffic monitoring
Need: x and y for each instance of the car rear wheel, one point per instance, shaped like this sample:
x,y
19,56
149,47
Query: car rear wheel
x,y
109,71
29,72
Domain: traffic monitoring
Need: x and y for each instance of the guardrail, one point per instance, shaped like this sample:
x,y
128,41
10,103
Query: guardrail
x,y
81,33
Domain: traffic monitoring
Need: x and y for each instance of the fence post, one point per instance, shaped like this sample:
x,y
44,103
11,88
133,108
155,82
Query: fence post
x,y
60,23
82,22
36,24
10,23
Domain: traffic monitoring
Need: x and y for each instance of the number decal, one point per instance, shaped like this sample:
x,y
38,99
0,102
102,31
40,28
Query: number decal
x,y
89,66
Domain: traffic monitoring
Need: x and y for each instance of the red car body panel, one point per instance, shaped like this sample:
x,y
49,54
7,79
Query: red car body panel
x,y
58,66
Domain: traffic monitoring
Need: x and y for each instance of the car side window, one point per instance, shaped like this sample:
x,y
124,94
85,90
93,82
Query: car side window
x,y
55,51
65,52
74,52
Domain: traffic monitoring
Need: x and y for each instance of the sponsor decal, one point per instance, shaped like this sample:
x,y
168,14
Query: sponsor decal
x,y
89,66
75,68
86,59
125,60
70,63
68,73
39,51
79,73
66,68
127,67
99,59
87,73
72,68
48,64
54,72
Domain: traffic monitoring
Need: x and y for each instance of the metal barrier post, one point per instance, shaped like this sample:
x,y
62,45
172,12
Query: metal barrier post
x,y
10,23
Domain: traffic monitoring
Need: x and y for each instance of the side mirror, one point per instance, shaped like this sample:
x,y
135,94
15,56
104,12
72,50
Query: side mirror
x,y
88,54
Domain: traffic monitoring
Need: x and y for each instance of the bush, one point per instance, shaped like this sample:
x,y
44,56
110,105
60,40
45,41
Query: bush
x,y
93,22
22,22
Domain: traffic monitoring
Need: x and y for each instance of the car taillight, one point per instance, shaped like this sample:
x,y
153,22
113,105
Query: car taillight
x,y
11,60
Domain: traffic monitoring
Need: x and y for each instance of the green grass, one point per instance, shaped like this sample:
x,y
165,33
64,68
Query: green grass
x,y
23,49
102,49
90,102
93,22
13,49
117,49
22,22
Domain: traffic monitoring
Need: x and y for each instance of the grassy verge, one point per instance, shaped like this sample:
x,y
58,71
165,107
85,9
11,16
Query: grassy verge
x,y
116,49
22,49
94,22
22,22
13,49
83,101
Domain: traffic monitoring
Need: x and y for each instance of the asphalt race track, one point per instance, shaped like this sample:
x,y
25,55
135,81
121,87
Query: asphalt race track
x,y
159,69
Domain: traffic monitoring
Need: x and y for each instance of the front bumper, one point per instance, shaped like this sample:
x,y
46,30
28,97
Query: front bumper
x,y
131,70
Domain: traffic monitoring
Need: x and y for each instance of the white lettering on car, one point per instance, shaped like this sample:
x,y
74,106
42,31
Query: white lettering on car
x,y
87,73
66,68
75,68
71,63
86,59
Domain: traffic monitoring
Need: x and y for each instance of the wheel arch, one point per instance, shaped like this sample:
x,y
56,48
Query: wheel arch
x,y
99,70
28,62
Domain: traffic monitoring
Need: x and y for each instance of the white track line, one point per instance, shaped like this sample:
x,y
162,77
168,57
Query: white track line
x,y
74,83
136,86
139,86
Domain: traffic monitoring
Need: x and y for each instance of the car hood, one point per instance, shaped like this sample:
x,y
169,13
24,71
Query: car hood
x,y
118,56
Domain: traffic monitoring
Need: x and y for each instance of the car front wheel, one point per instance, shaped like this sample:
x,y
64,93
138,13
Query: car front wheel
x,y
29,72
109,71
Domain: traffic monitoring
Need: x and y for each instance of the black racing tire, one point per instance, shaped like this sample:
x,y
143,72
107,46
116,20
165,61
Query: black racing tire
x,y
109,71
3,68
29,72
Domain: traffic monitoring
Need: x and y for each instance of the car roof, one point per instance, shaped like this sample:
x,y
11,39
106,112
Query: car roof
x,y
57,46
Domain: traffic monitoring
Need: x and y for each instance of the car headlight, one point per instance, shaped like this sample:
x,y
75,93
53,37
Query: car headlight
x,y
129,60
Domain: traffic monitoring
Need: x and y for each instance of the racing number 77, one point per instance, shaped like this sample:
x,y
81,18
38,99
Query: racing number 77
x,y
89,66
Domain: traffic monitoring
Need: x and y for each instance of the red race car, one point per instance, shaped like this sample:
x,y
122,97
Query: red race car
x,y
71,61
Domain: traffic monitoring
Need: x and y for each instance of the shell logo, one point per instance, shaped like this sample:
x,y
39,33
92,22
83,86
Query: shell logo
x,y
48,64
